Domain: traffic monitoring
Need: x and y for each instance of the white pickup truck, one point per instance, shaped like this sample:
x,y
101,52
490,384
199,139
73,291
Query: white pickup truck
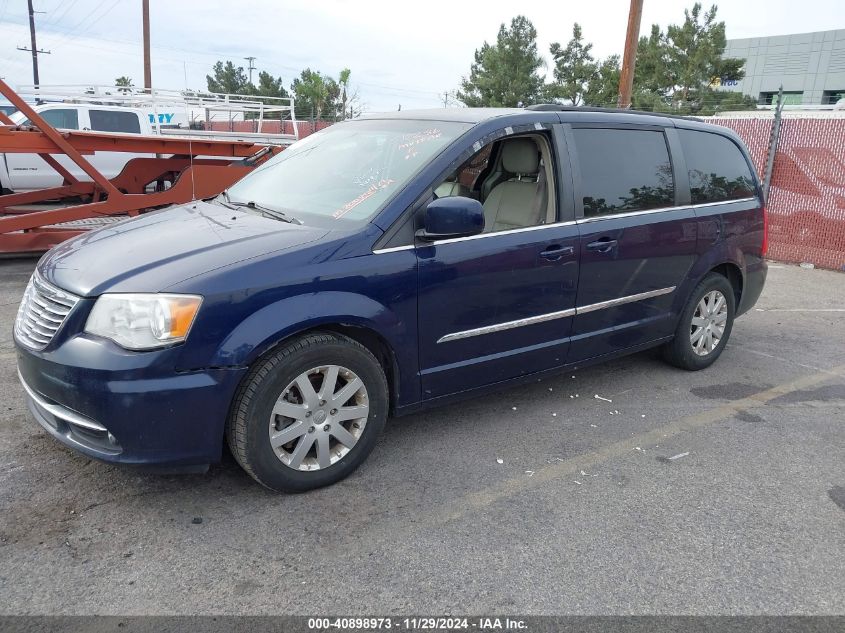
x,y
28,172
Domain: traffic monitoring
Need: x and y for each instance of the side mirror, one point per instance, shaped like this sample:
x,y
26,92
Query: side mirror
x,y
450,217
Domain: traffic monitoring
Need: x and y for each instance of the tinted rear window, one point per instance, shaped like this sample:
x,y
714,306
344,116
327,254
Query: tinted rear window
x,y
111,121
623,170
717,168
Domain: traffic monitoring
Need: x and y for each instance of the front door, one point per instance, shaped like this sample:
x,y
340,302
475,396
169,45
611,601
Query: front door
x,y
637,239
500,304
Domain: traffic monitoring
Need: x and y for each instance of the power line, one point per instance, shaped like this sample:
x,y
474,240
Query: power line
x,y
55,19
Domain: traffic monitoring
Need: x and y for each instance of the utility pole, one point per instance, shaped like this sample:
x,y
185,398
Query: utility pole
x,y
251,66
33,47
629,61
148,71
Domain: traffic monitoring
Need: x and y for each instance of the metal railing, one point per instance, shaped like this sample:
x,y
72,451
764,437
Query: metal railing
x,y
200,106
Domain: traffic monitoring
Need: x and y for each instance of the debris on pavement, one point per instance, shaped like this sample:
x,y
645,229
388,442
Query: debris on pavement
x,y
499,460
598,397
678,456
530,473
577,482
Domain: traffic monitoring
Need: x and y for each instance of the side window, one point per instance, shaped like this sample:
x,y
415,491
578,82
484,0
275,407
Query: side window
x,y
717,169
113,121
64,118
512,177
623,170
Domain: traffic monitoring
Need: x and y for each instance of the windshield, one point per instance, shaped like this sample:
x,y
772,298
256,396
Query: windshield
x,y
345,172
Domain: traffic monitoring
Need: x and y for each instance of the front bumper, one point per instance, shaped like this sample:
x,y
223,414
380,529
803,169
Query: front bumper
x,y
126,407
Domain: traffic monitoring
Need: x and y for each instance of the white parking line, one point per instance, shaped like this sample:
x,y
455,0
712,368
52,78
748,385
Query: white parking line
x,y
800,309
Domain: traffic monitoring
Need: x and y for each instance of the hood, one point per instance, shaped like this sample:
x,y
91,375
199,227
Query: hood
x,y
156,250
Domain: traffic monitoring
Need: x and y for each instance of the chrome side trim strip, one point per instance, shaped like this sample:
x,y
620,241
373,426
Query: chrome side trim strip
x,y
489,329
720,202
626,214
394,249
524,229
623,300
540,318
685,207
60,412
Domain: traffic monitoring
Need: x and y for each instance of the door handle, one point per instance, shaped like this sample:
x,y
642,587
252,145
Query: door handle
x,y
556,252
604,245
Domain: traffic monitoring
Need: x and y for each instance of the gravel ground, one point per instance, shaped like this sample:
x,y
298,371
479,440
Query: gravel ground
x,y
586,513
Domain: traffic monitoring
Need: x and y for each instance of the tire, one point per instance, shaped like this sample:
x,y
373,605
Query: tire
x,y
258,422
681,351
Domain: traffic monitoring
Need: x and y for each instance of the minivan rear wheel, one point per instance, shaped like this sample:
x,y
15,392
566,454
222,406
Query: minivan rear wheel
x,y
705,325
309,413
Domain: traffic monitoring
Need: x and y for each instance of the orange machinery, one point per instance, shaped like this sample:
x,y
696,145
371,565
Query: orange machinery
x,y
144,183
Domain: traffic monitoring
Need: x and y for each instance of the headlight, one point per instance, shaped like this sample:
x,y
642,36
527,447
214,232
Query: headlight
x,y
143,321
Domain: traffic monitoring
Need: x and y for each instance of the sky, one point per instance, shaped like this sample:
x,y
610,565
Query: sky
x,y
400,52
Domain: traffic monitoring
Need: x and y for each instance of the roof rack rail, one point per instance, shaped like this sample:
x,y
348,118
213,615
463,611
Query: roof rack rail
x,y
555,107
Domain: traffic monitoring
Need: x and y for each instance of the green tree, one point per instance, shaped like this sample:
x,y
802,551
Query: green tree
x,y
228,79
603,89
575,68
653,72
123,82
311,90
695,52
343,81
675,69
269,86
505,74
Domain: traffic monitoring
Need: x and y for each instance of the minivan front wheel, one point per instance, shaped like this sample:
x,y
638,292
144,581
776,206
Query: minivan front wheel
x,y
309,413
705,325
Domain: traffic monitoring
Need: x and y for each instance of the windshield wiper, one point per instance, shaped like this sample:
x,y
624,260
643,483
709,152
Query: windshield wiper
x,y
276,214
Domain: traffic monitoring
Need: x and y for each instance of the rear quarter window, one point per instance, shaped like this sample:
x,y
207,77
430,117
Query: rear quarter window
x,y
623,170
111,121
717,168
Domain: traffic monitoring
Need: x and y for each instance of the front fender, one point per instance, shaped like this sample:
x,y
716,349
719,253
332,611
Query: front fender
x,y
263,329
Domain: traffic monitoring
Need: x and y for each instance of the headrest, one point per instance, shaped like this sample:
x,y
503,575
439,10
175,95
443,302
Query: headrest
x,y
520,156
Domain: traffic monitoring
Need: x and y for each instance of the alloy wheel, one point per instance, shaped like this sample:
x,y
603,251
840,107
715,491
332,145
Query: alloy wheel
x,y
319,418
708,323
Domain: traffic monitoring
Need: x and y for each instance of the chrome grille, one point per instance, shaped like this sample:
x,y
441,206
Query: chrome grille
x,y
43,310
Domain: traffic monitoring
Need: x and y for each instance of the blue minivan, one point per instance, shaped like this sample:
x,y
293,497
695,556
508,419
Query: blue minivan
x,y
385,265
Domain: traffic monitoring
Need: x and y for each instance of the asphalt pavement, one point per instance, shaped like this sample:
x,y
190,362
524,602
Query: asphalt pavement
x,y
721,491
